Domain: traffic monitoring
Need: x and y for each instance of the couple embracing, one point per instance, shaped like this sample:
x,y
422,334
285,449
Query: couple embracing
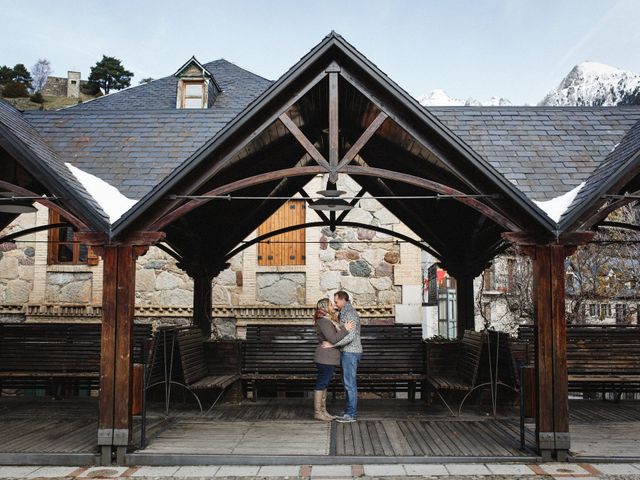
x,y
338,327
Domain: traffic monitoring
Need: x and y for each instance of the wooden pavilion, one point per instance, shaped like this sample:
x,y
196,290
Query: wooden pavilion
x,y
334,113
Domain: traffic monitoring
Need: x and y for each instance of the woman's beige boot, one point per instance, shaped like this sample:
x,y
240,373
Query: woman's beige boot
x,y
324,406
318,411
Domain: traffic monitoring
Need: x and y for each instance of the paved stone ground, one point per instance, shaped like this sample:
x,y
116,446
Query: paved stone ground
x,y
466,471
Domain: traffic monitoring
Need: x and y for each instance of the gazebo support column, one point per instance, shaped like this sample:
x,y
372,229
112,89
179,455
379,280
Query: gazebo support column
x,y
118,302
116,355
552,390
465,303
552,410
202,303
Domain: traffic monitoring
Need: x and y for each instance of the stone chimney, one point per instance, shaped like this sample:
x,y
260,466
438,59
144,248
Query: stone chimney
x,y
73,84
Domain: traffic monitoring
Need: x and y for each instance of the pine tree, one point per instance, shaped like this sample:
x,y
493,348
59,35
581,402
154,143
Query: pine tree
x,y
109,74
22,75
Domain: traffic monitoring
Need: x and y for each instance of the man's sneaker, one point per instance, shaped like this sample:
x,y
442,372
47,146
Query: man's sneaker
x,y
346,419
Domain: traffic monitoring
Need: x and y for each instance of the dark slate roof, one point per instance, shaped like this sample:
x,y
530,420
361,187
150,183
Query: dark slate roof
x,y
239,87
133,150
624,157
50,166
134,138
544,151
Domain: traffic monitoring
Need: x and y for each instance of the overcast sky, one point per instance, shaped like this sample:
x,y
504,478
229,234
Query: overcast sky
x,y
515,49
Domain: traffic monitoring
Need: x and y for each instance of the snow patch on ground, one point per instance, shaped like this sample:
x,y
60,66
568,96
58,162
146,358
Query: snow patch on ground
x,y
555,207
114,203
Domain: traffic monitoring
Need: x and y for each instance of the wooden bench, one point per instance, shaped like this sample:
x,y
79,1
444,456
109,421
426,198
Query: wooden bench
x,y
393,358
53,355
600,358
472,362
178,358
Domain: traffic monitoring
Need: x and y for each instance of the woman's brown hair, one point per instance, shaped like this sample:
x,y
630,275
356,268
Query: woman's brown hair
x,y
322,309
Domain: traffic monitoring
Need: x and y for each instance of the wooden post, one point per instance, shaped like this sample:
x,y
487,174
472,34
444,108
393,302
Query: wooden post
x,y
552,381
552,409
202,302
465,303
116,359
116,345
107,353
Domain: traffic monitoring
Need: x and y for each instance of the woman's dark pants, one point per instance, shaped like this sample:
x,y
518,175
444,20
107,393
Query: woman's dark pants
x,y
325,373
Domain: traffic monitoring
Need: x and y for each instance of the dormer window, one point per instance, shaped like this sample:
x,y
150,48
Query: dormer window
x,y
196,86
193,94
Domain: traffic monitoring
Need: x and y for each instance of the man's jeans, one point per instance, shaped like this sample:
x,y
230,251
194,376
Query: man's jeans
x,y
349,362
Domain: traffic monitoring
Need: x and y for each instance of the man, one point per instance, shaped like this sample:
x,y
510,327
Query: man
x,y
350,354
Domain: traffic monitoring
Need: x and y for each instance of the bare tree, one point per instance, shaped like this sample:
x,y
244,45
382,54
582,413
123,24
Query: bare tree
x,y
607,270
511,298
40,72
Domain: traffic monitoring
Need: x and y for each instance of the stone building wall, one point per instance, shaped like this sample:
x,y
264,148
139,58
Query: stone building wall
x,y
17,264
55,87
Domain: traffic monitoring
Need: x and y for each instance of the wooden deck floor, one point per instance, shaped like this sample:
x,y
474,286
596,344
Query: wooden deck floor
x,y
285,427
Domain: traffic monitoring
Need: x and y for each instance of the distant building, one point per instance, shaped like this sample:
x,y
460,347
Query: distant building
x,y
69,87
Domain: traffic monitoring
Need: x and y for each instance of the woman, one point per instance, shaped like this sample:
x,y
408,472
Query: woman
x,y
326,359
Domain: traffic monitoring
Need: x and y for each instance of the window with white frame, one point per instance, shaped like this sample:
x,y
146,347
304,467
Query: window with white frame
x,y
192,94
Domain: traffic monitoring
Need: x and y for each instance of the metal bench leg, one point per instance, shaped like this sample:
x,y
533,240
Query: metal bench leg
x,y
444,401
412,392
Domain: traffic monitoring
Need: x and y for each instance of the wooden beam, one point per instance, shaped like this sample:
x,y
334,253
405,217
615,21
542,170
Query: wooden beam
x,y
334,144
304,141
538,238
363,139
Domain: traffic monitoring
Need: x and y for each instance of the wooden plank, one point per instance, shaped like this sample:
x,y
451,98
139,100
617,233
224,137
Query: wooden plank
x,y
396,438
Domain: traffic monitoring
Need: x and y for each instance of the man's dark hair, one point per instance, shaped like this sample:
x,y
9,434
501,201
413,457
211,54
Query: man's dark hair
x,y
342,295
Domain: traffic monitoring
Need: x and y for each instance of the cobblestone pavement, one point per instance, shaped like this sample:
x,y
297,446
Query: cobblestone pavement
x,y
467,471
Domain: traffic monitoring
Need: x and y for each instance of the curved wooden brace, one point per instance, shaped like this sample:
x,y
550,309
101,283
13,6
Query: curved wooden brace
x,y
604,212
301,226
72,219
27,231
625,226
349,169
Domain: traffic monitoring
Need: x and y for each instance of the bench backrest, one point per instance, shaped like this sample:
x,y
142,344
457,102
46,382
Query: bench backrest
x,y
186,345
598,349
470,355
468,359
388,349
58,347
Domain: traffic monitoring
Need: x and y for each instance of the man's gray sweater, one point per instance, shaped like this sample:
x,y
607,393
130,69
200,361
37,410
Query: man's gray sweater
x,y
351,343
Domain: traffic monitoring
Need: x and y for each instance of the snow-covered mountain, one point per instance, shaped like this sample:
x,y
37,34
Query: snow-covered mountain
x,y
587,84
439,97
595,84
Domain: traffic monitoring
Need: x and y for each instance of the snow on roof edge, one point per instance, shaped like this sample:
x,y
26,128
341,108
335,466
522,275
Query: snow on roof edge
x,y
555,207
110,199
